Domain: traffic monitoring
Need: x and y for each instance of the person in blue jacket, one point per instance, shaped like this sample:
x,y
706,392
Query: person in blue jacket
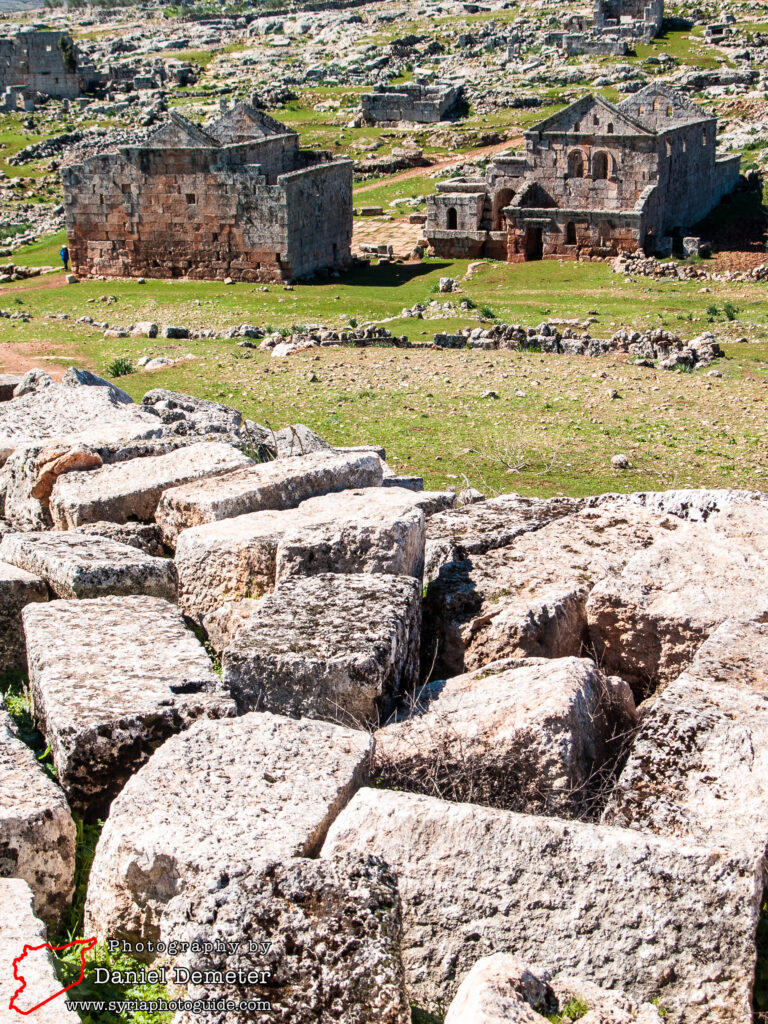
x,y
64,253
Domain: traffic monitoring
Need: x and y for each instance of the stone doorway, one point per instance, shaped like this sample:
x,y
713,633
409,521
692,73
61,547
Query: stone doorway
x,y
534,244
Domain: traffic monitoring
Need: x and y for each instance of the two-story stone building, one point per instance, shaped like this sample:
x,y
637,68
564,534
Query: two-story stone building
x,y
237,199
595,179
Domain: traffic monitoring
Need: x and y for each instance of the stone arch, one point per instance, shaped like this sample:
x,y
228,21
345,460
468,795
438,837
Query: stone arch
x,y
601,166
452,219
570,233
503,198
576,164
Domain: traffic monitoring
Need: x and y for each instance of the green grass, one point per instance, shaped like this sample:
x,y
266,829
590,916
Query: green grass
x,y
382,193
44,253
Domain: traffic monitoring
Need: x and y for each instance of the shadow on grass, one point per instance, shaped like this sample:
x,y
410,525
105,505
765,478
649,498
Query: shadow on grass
x,y
389,275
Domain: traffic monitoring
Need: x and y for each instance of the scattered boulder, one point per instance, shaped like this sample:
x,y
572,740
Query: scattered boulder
x,y
654,917
223,796
20,931
185,414
338,647
281,484
83,565
537,735
334,933
37,833
131,490
110,679
18,588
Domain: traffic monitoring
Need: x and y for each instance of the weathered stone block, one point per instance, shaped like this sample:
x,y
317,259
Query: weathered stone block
x,y
37,834
111,679
229,560
79,565
647,623
699,765
18,588
334,933
653,917
20,928
221,797
536,735
131,490
281,484
528,598
144,536
338,647
375,530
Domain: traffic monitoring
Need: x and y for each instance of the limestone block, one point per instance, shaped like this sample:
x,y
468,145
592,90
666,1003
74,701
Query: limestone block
x,y
189,415
528,598
281,484
111,678
17,589
647,622
457,534
375,530
228,560
348,909
500,989
37,834
20,928
337,647
32,471
144,536
8,382
652,917
131,490
60,410
538,735
223,796
83,565
699,765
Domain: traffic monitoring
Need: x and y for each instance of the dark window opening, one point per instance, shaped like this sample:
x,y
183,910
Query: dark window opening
x,y
575,164
610,127
190,198
570,233
600,167
452,218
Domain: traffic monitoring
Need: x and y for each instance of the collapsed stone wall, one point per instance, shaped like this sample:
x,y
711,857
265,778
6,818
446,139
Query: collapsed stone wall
x,y
44,62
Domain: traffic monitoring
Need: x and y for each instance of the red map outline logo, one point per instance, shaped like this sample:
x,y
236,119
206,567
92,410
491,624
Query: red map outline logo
x,y
85,945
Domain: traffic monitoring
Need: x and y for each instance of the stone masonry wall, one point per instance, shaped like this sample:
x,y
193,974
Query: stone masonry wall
x,y
206,213
424,104
35,61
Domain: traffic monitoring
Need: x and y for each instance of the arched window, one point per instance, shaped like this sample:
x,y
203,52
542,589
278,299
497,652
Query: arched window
x,y
575,164
452,218
600,166
610,127
570,233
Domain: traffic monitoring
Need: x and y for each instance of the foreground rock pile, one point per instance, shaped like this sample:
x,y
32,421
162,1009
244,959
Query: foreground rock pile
x,y
637,264
508,757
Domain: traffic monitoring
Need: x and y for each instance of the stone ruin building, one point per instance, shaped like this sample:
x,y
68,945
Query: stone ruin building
x,y
595,180
45,63
612,28
416,101
237,199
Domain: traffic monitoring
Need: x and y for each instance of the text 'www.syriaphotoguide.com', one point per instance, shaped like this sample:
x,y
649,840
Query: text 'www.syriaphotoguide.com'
x,y
163,1005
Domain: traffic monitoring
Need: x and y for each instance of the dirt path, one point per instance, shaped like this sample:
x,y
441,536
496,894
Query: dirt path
x,y
442,163
41,284
20,356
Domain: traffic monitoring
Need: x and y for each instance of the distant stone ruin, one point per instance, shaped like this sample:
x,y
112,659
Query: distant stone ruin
x,y
595,180
614,26
238,199
47,63
413,101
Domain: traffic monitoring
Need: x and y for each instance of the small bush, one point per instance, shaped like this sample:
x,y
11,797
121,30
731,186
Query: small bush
x,y
353,321
487,313
574,1009
119,367
731,311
